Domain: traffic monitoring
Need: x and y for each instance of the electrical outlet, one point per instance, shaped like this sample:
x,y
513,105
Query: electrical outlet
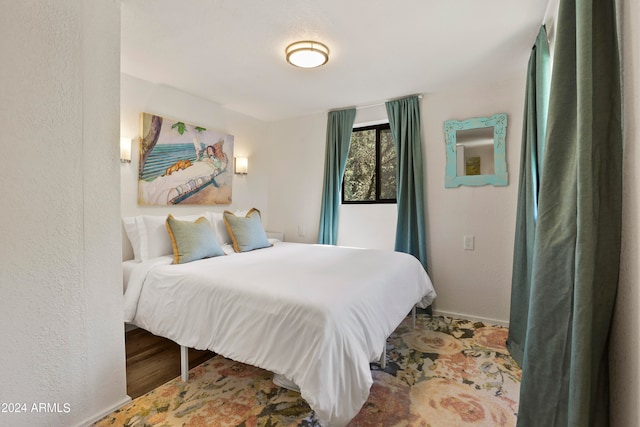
x,y
301,230
468,243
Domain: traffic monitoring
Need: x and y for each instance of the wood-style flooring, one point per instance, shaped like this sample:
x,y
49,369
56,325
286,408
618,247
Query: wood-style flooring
x,y
153,360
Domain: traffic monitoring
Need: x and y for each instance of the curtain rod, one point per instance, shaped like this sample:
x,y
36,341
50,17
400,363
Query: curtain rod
x,y
384,102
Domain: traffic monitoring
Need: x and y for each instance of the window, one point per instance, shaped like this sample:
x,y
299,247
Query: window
x,y
370,174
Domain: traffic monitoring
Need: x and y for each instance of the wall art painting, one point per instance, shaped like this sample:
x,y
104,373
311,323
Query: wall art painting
x,y
184,164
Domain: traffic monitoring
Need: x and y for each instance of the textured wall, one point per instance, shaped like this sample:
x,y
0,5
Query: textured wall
x,y
60,310
625,342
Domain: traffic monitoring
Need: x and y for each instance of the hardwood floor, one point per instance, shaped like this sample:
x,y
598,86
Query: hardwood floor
x,y
153,360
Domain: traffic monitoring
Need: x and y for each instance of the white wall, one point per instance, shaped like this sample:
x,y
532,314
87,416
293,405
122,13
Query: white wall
x,y
294,191
297,150
139,96
61,303
368,226
625,340
471,283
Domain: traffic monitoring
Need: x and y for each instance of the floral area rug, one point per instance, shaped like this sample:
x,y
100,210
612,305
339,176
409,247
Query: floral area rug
x,y
444,373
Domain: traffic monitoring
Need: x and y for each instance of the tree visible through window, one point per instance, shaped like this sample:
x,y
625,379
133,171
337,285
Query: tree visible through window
x,y
370,174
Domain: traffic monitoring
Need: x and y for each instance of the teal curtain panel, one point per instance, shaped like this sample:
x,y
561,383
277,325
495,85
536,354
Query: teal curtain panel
x,y
533,136
339,128
576,250
404,121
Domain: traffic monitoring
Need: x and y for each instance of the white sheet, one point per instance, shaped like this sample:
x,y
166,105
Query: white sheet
x,y
127,270
315,314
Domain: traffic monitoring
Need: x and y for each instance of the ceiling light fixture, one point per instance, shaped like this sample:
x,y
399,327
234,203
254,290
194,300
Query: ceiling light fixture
x,y
307,54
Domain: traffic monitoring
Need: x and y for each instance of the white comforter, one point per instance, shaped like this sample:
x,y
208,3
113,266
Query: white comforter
x,y
315,314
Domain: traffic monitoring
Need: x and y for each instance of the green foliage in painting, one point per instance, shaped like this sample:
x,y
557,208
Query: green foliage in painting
x,y
180,127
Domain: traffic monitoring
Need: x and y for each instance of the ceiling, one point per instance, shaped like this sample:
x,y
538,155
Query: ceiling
x,y
231,52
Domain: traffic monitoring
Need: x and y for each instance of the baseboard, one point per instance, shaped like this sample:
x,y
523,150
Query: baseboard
x,y
103,414
437,312
129,327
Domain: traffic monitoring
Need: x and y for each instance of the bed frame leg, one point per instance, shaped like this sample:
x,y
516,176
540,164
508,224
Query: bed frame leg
x,y
383,357
184,363
413,316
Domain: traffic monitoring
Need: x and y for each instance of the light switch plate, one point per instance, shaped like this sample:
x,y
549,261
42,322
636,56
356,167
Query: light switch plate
x,y
468,243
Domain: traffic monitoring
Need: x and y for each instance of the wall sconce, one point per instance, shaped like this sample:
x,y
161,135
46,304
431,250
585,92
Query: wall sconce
x,y
241,165
125,150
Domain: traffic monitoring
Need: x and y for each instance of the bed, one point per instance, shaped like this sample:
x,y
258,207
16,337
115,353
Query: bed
x,y
315,315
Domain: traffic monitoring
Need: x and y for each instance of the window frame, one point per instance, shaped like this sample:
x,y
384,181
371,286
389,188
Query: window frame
x,y
378,128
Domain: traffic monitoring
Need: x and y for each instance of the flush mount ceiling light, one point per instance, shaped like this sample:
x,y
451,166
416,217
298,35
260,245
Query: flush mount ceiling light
x,y
307,54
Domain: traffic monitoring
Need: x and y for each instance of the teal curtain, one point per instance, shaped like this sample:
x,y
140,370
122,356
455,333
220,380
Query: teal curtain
x,y
404,120
533,136
339,128
577,239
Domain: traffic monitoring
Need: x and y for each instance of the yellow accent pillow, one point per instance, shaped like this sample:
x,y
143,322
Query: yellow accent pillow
x,y
246,232
192,241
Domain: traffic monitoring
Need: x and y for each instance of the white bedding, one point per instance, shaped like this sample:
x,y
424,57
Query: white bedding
x,y
315,314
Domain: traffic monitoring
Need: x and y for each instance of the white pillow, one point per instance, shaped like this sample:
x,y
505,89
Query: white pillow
x,y
217,219
131,229
219,227
149,237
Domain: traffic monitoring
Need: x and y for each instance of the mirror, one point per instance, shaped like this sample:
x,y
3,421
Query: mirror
x,y
476,151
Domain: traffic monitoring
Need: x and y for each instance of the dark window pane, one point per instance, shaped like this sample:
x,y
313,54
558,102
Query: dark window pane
x,y
387,166
361,167
370,175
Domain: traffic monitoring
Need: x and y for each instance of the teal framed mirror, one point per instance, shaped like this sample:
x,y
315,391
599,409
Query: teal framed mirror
x,y
476,151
